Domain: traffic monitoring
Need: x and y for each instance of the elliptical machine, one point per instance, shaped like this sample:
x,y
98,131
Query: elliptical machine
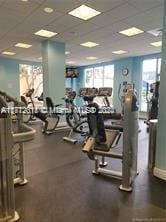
x,y
28,115
76,122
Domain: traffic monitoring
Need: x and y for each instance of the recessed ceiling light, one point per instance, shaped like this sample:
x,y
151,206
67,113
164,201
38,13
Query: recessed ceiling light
x,y
84,12
8,53
48,10
156,44
131,31
89,44
45,33
91,57
119,52
40,58
24,0
71,62
23,45
67,53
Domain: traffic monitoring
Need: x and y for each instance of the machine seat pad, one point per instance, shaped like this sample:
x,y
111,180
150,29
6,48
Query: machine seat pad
x,y
111,135
114,127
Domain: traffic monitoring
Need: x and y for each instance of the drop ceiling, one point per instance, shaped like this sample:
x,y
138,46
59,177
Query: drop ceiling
x,y
20,20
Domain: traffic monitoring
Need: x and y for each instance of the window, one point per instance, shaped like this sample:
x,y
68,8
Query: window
x,y
68,83
88,77
150,74
98,77
102,76
109,76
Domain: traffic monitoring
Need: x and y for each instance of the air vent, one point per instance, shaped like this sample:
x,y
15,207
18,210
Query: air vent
x,y
156,32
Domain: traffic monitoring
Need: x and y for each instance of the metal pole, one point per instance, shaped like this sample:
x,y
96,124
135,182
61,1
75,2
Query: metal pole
x,y
152,143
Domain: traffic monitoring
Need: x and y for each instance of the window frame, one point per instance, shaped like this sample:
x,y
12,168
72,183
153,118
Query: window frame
x,y
157,76
103,74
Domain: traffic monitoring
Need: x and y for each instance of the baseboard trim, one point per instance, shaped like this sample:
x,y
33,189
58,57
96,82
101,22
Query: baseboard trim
x,y
159,173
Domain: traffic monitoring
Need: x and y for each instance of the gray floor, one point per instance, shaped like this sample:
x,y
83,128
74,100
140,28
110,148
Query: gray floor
x,y
61,187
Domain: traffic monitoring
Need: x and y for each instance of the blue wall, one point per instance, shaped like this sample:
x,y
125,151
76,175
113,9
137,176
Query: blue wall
x,y
134,64
9,75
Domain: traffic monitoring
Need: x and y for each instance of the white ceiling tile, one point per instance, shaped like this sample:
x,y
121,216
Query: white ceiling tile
x,y
19,24
144,5
63,6
82,1
138,19
158,14
8,20
23,8
150,26
103,20
117,27
123,11
38,1
81,29
1,1
104,5
63,23
40,19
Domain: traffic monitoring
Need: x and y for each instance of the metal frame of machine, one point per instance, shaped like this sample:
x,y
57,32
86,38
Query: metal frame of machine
x,y
130,145
8,139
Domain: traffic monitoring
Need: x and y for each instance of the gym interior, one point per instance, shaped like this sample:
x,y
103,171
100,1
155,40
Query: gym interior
x,y
82,110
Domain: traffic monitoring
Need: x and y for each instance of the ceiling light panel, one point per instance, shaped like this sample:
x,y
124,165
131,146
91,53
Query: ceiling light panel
x,y
84,12
67,53
89,44
23,45
8,53
156,44
71,62
119,52
45,33
91,57
131,31
48,10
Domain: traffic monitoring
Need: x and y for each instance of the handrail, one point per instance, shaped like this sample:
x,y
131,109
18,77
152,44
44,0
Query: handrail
x,y
26,134
10,98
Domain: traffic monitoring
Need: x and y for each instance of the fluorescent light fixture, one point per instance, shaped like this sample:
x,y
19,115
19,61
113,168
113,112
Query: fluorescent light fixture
x,y
91,57
45,33
23,45
67,53
89,44
84,12
71,62
131,31
48,10
156,44
40,58
8,53
119,52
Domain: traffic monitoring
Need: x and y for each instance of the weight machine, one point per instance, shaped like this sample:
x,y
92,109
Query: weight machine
x,y
9,137
102,143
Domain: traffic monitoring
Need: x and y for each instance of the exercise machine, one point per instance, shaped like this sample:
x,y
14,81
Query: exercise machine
x,y
152,101
50,117
28,114
76,122
102,143
10,137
